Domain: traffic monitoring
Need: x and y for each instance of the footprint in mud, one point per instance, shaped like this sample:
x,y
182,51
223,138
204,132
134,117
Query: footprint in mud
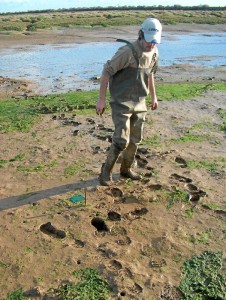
x,y
49,229
90,121
194,192
139,211
107,138
115,264
194,197
96,149
60,117
137,288
180,178
148,175
123,240
141,161
76,123
155,187
191,187
66,122
170,292
79,243
147,250
105,251
33,293
157,263
181,161
75,132
142,150
102,127
114,216
161,244
125,273
121,234
116,192
118,230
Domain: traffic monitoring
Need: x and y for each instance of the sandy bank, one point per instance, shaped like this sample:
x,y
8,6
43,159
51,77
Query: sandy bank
x,y
81,35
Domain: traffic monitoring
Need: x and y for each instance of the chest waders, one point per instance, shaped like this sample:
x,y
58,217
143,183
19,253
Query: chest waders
x,y
128,89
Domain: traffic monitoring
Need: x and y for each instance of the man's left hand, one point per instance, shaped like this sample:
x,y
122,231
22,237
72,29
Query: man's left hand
x,y
154,104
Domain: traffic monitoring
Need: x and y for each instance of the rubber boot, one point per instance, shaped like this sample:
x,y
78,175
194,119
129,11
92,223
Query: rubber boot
x,y
107,167
127,162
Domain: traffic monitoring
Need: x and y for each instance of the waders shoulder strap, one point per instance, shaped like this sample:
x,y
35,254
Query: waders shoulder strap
x,y
131,47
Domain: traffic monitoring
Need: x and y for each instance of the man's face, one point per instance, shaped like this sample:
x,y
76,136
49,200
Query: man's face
x,y
146,46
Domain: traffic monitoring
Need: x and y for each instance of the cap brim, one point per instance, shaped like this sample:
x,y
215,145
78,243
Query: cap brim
x,y
152,38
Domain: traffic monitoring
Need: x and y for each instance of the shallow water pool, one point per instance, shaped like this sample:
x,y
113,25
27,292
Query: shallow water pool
x,y
63,68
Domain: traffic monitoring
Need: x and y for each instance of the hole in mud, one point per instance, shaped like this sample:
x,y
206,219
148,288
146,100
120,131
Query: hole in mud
x,y
79,262
123,294
99,224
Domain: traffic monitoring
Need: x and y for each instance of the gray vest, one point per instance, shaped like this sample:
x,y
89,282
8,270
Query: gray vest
x,y
131,84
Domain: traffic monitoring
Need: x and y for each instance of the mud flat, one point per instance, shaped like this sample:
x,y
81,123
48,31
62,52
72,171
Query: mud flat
x,y
149,229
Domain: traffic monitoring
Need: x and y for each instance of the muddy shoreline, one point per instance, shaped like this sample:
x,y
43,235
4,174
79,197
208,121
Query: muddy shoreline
x,y
13,87
81,35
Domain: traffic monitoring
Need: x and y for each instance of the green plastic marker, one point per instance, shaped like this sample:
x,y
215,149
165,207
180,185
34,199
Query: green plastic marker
x,y
77,198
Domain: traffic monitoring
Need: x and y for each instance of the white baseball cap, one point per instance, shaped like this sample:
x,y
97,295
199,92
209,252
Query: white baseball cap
x,y
152,30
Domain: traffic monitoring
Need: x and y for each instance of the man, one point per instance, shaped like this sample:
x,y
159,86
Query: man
x,y
130,75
